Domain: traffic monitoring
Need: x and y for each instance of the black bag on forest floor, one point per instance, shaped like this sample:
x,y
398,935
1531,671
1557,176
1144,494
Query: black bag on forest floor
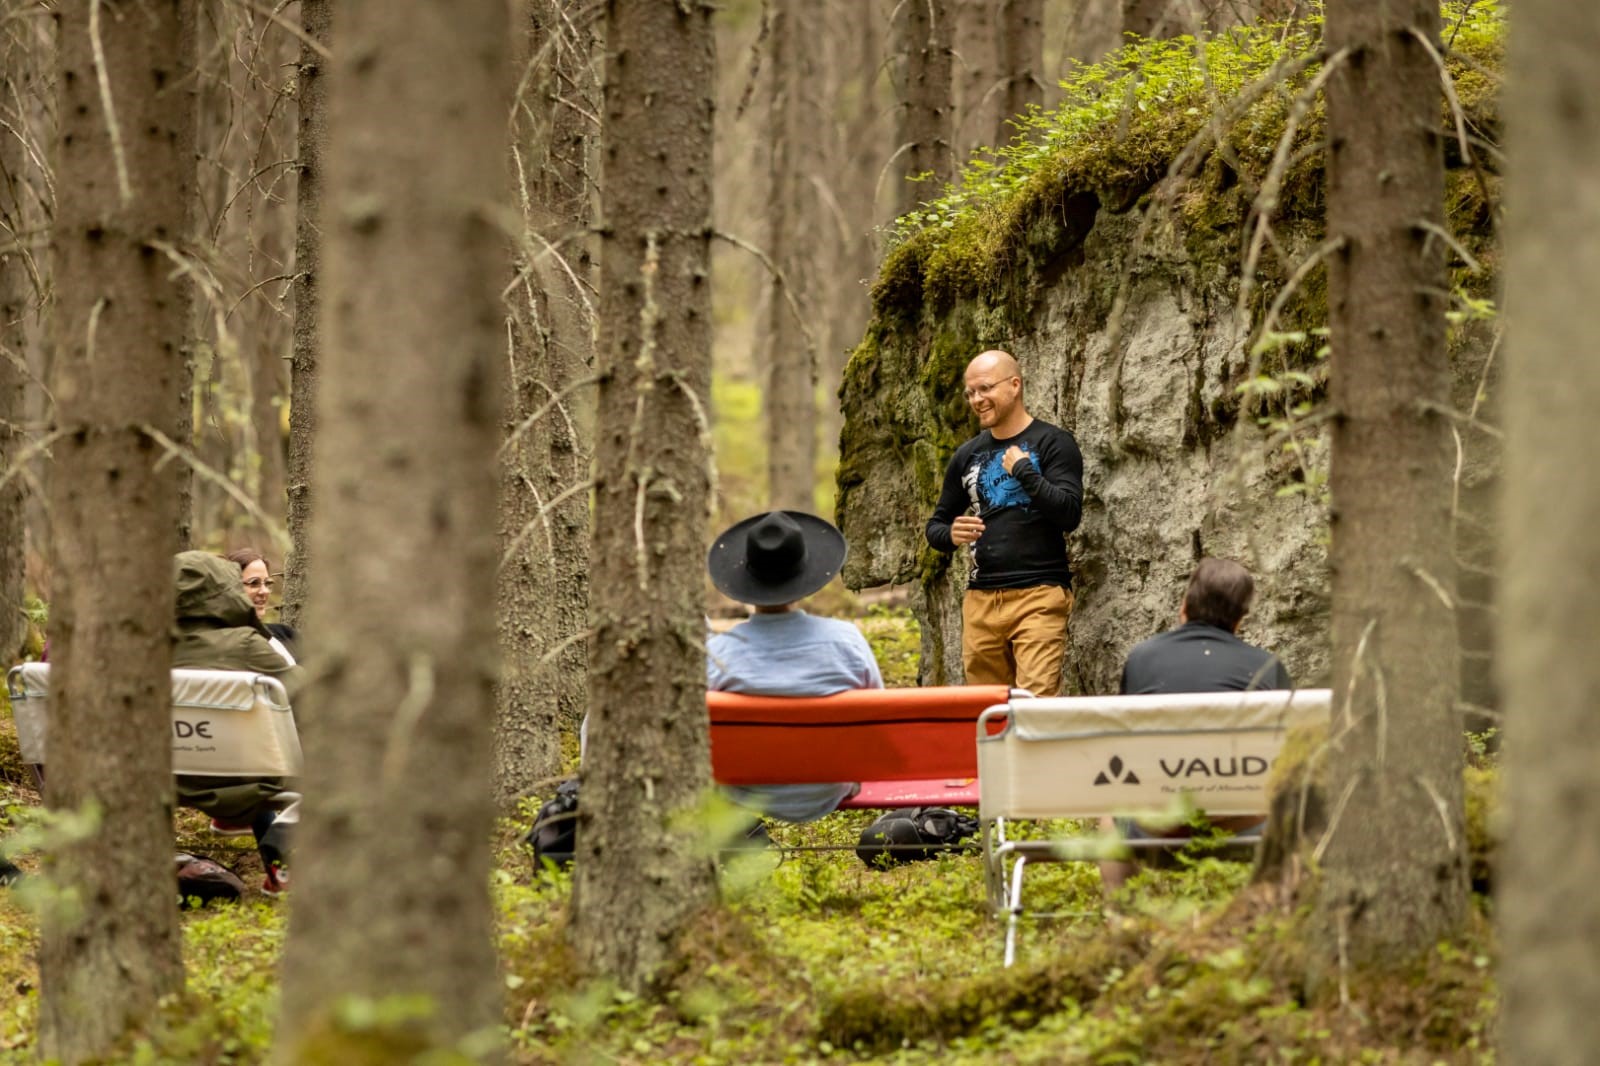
x,y
912,835
554,835
205,879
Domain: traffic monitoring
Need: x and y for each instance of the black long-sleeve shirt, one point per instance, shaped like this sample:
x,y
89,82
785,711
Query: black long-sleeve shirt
x,y
1026,513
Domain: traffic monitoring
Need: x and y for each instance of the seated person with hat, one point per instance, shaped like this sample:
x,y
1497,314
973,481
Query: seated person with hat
x,y
771,562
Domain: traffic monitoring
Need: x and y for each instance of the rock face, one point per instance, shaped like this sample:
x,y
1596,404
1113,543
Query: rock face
x,y
1177,464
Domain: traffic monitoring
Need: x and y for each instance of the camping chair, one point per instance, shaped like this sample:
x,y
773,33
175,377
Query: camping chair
x,y
225,723
1092,756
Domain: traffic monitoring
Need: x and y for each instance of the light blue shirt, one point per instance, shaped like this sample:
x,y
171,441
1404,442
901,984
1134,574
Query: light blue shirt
x,y
791,654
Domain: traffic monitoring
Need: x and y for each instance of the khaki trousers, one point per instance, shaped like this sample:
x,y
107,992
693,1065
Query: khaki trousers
x,y
1016,637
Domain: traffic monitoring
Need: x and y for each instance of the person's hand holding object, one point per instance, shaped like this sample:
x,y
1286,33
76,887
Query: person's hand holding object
x,y
966,529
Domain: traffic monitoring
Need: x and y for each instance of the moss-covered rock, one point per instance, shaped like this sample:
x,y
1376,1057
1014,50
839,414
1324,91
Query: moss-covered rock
x,y
1118,253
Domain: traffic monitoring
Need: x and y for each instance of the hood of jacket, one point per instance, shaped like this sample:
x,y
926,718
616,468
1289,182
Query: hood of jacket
x,y
211,594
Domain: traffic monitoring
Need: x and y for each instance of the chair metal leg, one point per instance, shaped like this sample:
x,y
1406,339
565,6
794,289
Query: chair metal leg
x,y
1014,910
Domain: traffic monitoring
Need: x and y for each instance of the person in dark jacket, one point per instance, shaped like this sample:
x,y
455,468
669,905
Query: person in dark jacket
x,y
1202,654
218,628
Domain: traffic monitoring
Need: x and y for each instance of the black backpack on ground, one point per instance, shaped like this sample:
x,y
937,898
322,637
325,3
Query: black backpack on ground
x,y
205,879
913,835
554,835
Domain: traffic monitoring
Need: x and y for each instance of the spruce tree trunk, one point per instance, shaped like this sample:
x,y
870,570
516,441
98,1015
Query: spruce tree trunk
x,y
861,149
126,175
978,75
926,128
641,877
311,97
392,871
17,300
1550,511
794,130
1395,870
1021,62
544,502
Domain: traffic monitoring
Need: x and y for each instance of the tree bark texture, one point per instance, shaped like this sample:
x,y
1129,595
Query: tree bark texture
x,y
1550,509
1021,34
392,872
126,178
1395,873
860,101
641,875
19,299
311,100
926,128
978,79
544,497
795,131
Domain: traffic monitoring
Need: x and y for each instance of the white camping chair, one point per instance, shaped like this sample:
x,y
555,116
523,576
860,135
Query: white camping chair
x,y
225,723
1091,756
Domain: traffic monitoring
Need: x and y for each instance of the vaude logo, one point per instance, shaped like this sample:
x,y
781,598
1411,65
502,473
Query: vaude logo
x,y
1116,768
1116,772
184,730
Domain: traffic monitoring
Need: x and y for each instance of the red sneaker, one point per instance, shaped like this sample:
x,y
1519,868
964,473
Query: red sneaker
x,y
228,828
276,882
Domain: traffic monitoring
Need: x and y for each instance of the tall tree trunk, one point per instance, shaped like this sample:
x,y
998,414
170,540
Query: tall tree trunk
x,y
125,182
863,151
1395,873
18,298
978,76
36,126
1021,35
1550,509
399,809
641,876
311,95
794,124
544,500
1151,18
926,129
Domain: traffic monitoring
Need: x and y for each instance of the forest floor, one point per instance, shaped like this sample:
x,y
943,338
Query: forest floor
x,y
816,958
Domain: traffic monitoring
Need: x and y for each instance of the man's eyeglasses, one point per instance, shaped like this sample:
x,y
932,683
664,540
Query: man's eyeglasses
x,y
984,390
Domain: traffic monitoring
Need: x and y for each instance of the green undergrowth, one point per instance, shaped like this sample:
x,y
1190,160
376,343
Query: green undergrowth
x,y
815,958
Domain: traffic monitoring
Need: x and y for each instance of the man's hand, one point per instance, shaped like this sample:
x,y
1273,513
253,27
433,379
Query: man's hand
x,y
1013,456
966,529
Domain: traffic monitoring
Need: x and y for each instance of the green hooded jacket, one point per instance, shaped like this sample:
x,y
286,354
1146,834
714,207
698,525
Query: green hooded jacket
x,y
217,629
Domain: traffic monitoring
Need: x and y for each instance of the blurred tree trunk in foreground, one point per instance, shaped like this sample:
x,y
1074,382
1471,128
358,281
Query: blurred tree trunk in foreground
x,y
641,877
393,871
544,473
1394,879
125,184
1550,553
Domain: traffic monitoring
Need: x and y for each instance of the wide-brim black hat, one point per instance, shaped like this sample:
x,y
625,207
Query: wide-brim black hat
x,y
776,558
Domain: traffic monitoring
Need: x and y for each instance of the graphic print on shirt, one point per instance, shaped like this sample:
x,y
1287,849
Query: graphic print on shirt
x,y
988,485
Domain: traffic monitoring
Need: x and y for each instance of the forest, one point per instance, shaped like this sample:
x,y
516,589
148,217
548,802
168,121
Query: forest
x,y
413,417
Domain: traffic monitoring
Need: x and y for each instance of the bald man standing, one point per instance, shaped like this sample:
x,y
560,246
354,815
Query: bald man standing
x,y
1011,495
